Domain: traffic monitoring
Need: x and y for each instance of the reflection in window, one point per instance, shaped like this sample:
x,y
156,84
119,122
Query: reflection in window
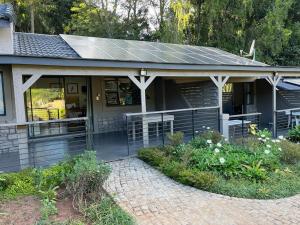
x,y
2,104
121,92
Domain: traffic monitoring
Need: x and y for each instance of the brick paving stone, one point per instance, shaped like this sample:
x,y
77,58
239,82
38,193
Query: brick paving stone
x,y
154,199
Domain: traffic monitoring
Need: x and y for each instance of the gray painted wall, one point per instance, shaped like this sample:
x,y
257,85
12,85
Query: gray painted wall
x,y
8,95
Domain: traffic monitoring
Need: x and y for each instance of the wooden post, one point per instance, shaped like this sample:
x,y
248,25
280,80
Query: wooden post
x,y
142,85
220,82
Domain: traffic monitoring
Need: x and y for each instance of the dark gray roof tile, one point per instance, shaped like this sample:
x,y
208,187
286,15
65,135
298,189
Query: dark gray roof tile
x,y
41,45
7,12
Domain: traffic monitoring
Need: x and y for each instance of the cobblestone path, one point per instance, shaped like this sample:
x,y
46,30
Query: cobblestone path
x,y
155,199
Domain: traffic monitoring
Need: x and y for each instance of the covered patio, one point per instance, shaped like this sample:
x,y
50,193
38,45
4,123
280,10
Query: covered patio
x,y
134,94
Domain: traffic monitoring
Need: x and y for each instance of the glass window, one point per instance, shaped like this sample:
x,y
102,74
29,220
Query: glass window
x,y
2,102
121,92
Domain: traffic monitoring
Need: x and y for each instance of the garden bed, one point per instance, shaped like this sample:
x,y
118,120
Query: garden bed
x,y
257,167
69,193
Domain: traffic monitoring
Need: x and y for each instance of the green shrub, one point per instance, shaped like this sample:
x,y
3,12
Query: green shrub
x,y
85,181
198,179
172,168
153,156
48,208
176,138
290,152
255,171
214,136
106,212
294,134
16,184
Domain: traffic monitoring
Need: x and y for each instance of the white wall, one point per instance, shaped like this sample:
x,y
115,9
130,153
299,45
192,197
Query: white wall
x,y
8,95
109,118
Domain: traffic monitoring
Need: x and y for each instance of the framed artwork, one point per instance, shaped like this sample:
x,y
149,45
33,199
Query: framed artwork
x,y
72,88
112,98
111,85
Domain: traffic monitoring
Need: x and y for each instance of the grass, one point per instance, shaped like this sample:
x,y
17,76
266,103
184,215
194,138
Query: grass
x,y
257,167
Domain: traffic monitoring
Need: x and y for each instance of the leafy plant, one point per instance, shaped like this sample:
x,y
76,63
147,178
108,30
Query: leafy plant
x,y
290,152
255,171
153,156
198,179
85,181
294,134
176,138
106,212
172,168
48,208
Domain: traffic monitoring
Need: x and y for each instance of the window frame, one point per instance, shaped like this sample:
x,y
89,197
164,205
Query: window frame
x,y
117,80
3,94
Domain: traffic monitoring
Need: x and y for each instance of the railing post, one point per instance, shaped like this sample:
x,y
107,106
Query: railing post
x,y
243,127
127,131
193,124
162,129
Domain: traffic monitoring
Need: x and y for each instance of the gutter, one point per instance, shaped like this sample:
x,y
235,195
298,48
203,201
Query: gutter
x,y
79,62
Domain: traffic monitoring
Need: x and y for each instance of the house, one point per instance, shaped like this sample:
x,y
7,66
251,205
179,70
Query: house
x,y
61,94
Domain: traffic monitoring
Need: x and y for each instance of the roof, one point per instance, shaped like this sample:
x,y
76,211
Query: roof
x,y
7,12
53,50
154,52
289,84
41,45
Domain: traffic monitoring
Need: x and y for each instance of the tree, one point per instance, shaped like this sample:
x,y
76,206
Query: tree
x,y
90,20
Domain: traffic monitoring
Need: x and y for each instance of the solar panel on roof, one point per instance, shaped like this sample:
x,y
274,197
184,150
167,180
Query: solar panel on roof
x,y
141,51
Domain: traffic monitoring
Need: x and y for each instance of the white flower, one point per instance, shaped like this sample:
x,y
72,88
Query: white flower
x,y
209,141
264,140
267,138
226,139
280,137
217,150
277,140
207,128
273,141
259,138
219,145
222,160
267,151
279,149
268,146
263,135
197,132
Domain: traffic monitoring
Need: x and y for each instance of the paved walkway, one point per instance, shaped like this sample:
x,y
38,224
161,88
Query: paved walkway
x,y
155,199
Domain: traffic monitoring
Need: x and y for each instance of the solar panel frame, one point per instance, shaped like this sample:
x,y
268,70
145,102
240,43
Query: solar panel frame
x,y
141,51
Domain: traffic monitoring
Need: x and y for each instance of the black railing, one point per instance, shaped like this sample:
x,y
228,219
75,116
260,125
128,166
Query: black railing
x,y
152,128
20,149
241,126
286,119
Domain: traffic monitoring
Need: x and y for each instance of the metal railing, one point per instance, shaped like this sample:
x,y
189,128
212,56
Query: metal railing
x,y
286,119
240,126
20,149
152,128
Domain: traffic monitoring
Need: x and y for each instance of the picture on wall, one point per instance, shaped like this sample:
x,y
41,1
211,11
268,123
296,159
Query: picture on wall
x,y
72,88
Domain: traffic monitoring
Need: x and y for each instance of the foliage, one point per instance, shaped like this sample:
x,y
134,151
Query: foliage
x,y
176,138
199,179
290,152
208,162
294,134
48,208
106,212
85,181
13,185
171,168
151,155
